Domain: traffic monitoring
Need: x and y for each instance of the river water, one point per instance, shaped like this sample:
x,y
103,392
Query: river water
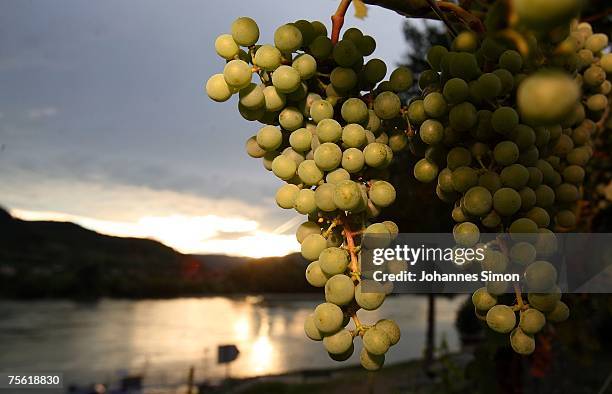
x,y
98,342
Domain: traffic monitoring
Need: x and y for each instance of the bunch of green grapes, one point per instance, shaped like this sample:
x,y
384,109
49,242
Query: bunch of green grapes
x,y
331,128
507,142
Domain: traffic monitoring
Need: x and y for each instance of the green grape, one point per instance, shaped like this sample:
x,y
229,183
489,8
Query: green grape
x,y
490,180
535,178
515,176
566,193
464,178
311,329
268,158
286,196
328,318
434,104
237,74
305,229
347,195
504,120
546,98
483,300
251,114
458,157
324,197
343,79
353,135
337,175
329,130
497,288
284,167
293,155
253,149
387,105
398,142
333,261
523,253
597,103
306,66
352,34
489,86
523,229
274,100
376,341
339,290
291,118
466,41
495,261
521,342
544,302
492,220
353,160
376,236
456,91
338,343
540,276
371,362
524,137
305,202
566,218
435,55
477,201
300,140
344,356
392,228
226,47
459,215
539,216
606,63
466,234
315,276
354,110
506,79
267,57
505,152
401,79
382,193
532,321
321,48
345,53
559,314
578,156
431,132
245,31
464,65
545,14
307,30
501,318
597,42
328,156
511,60
366,45
506,201
288,38
312,246
374,123
416,112
269,138
429,79
372,299
309,172
374,70
321,109
462,117
425,171
217,89
390,328
375,154
286,79
545,196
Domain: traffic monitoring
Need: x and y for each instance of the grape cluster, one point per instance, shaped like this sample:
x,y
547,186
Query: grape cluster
x,y
331,128
507,143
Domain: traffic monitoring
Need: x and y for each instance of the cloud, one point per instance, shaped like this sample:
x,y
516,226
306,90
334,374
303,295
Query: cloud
x,y
45,112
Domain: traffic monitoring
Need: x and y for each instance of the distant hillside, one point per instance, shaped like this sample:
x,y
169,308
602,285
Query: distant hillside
x,y
58,259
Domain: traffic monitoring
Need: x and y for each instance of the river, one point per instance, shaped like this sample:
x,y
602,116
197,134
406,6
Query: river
x,y
98,342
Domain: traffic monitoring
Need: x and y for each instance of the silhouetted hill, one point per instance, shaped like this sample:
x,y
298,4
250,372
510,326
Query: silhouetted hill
x,y
59,259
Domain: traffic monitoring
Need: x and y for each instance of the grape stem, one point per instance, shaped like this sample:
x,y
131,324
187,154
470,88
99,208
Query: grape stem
x,y
519,297
350,242
436,9
472,21
601,124
338,20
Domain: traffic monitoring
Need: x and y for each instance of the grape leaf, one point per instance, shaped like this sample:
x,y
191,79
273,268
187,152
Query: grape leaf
x,y
361,10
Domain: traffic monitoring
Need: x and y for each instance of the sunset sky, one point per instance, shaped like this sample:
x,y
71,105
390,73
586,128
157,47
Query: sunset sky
x,y
103,120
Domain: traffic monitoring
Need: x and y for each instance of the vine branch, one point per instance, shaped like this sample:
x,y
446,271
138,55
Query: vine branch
x,y
338,20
